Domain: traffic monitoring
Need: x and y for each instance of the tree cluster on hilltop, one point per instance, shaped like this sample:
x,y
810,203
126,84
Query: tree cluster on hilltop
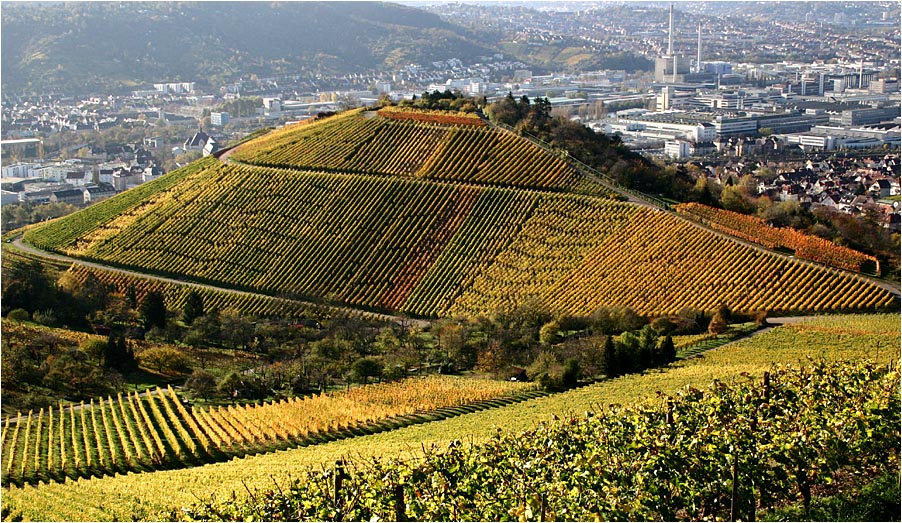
x,y
600,151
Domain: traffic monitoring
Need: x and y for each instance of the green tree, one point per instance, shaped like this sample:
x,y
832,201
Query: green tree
x,y
548,333
628,352
204,331
97,350
365,368
201,383
152,310
236,329
232,385
701,191
194,307
571,373
667,351
718,324
610,365
165,360
546,370
733,199
119,355
18,315
648,343
26,285
71,373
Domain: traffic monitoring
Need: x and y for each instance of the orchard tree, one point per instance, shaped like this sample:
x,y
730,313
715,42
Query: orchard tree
x,y
365,368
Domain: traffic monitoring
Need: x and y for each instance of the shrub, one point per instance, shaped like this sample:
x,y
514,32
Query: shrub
x,y
19,315
165,360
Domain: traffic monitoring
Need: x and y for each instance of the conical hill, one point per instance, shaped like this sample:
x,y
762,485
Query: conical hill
x,y
432,215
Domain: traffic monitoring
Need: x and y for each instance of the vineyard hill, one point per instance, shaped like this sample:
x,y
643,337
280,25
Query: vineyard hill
x,y
432,214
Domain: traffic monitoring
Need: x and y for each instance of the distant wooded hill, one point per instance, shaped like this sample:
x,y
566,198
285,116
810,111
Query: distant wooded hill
x,y
104,47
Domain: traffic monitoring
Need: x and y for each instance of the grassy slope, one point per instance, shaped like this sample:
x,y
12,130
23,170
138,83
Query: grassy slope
x,y
138,496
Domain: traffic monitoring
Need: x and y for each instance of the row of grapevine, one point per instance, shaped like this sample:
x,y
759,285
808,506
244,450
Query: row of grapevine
x,y
324,144
398,149
494,220
313,235
756,230
549,245
135,497
135,433
174,294
111,215
498,158
432,248
428,116
428,250
296,418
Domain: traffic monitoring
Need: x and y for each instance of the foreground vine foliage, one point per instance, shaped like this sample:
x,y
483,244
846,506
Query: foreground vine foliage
x,y
725,452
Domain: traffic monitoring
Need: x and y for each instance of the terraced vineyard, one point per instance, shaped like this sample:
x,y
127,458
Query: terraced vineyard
x,y
151,496
135,433
372,228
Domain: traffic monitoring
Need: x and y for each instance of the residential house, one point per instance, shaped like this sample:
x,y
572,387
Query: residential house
x,y
151,172
196,142
73,196
881,188
96,193
77,178
211,146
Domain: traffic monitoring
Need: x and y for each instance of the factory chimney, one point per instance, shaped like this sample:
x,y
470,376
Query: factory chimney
x,y
861,74
670,33
698,60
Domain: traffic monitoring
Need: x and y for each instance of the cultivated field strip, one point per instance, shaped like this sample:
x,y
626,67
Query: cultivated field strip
x,y
133,433
756,230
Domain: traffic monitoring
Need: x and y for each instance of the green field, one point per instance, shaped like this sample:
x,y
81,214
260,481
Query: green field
x,y
141,496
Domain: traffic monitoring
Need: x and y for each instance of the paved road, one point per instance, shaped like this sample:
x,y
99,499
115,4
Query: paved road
x,y
17,243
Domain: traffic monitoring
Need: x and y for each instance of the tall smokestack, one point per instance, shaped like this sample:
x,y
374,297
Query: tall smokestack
x,y
698,60
670,33
861,74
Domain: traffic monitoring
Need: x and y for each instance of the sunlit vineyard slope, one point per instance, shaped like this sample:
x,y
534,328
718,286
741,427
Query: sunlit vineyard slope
x,y
431,215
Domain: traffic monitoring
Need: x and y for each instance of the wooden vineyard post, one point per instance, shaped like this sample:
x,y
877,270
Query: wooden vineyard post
x,y
733,501
339,477
400,507
766,386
